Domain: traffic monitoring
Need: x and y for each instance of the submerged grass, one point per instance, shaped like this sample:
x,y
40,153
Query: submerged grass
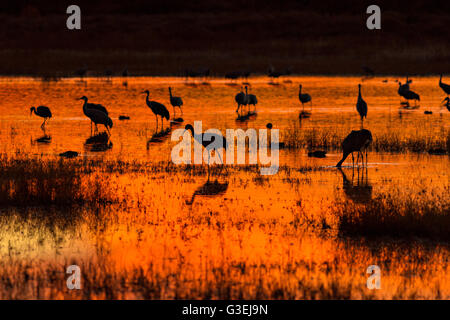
x,y
394,216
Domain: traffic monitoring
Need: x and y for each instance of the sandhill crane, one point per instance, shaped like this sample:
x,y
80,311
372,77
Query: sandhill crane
x,y
206,139
175,102
356,141
97,116
303,97
444,86
158,109
361,106
241,99
402,88
411,95
92,106
43,112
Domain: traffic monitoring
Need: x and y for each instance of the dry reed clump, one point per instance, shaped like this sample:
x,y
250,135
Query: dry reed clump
x,y
396,216
35,182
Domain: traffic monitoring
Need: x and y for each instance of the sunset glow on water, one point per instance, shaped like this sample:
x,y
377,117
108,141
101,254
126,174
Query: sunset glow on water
x,y
152,229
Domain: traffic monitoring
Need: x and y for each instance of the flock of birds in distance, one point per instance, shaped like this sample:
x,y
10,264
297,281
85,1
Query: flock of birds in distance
x,y
357,141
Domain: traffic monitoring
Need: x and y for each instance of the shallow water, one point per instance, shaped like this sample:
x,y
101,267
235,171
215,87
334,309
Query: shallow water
x,y
169,219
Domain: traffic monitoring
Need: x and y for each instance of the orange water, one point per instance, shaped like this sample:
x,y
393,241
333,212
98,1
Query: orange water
x,y
251,221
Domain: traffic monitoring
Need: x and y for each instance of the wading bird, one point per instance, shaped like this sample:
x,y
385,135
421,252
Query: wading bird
x,y
207,140
356,141
411,95
241,99
175,102
361,106
43,112
303,97
444,86
92,106
158,109
97,116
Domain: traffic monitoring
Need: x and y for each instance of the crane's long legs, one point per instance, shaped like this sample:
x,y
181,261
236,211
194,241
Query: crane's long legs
x,y
156,123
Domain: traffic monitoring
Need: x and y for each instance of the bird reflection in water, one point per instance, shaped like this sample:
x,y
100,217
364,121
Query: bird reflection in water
x,y
359,192
209,189
99,142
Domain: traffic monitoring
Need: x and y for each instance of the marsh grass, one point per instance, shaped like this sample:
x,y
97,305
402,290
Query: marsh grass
x,y
385,139
395,216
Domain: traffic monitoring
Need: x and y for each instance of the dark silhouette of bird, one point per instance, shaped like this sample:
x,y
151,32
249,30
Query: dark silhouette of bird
x,y
356,141
361,106
241,99
447,104
411,95
158,109
125,72
175,102
252,100
93,106
97,114
303,97
43,112
206,139
444,86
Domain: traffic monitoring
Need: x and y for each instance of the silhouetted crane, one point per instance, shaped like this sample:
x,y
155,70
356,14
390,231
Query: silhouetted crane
x,y
158,109
43,112
241,99
411,95
97,116
444,86
303,97
92,106
361,106
207,140
175,102
356,141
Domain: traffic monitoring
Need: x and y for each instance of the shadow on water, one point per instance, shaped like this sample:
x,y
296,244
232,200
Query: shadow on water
x,y
159,137
209,189
359,192
98,143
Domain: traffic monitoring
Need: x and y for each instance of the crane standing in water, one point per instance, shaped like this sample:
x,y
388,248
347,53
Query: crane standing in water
x,y
92,106
356,141
361,107
43,112
175,102
241,99
206,139
97,114
303,97
158,109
